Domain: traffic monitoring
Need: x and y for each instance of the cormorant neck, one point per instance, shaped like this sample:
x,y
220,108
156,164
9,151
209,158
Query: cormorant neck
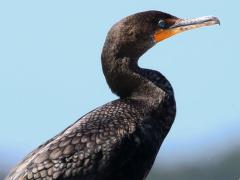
x,y
128,80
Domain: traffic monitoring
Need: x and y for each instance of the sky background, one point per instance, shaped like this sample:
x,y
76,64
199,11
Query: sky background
x,y
50,72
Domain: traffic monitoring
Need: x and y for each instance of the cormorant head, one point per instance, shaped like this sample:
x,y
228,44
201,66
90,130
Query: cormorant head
x,y
135,34
132,37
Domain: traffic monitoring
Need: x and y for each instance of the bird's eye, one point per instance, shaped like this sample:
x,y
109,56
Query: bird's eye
x,y
162,24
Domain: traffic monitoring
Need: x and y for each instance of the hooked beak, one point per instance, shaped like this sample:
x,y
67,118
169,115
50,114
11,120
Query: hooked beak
x,y
181,25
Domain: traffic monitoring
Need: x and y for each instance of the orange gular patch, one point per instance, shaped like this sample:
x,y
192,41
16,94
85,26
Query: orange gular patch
x,y
162,34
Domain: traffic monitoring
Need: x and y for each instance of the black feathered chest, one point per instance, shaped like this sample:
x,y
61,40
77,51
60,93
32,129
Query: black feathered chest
x,y
119,140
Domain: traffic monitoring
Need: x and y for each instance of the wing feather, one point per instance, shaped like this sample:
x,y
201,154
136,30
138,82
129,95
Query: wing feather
x,y
85,149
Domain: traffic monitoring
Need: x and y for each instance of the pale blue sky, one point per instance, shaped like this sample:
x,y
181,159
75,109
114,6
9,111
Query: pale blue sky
x,y
50,71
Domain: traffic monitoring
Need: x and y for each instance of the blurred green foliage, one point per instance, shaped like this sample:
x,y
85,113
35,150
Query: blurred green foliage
x,y
1,176
227,167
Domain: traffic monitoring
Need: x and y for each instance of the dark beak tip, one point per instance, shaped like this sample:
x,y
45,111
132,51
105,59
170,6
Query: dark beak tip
x,y
217,21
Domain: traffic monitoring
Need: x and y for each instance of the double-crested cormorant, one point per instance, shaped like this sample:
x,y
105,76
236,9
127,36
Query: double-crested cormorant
x,y
119,140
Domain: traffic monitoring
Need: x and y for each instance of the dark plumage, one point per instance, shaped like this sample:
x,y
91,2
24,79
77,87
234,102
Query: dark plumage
x,y
119,140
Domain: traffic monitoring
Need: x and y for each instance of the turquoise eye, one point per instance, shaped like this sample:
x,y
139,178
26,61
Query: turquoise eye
x,y
161,24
